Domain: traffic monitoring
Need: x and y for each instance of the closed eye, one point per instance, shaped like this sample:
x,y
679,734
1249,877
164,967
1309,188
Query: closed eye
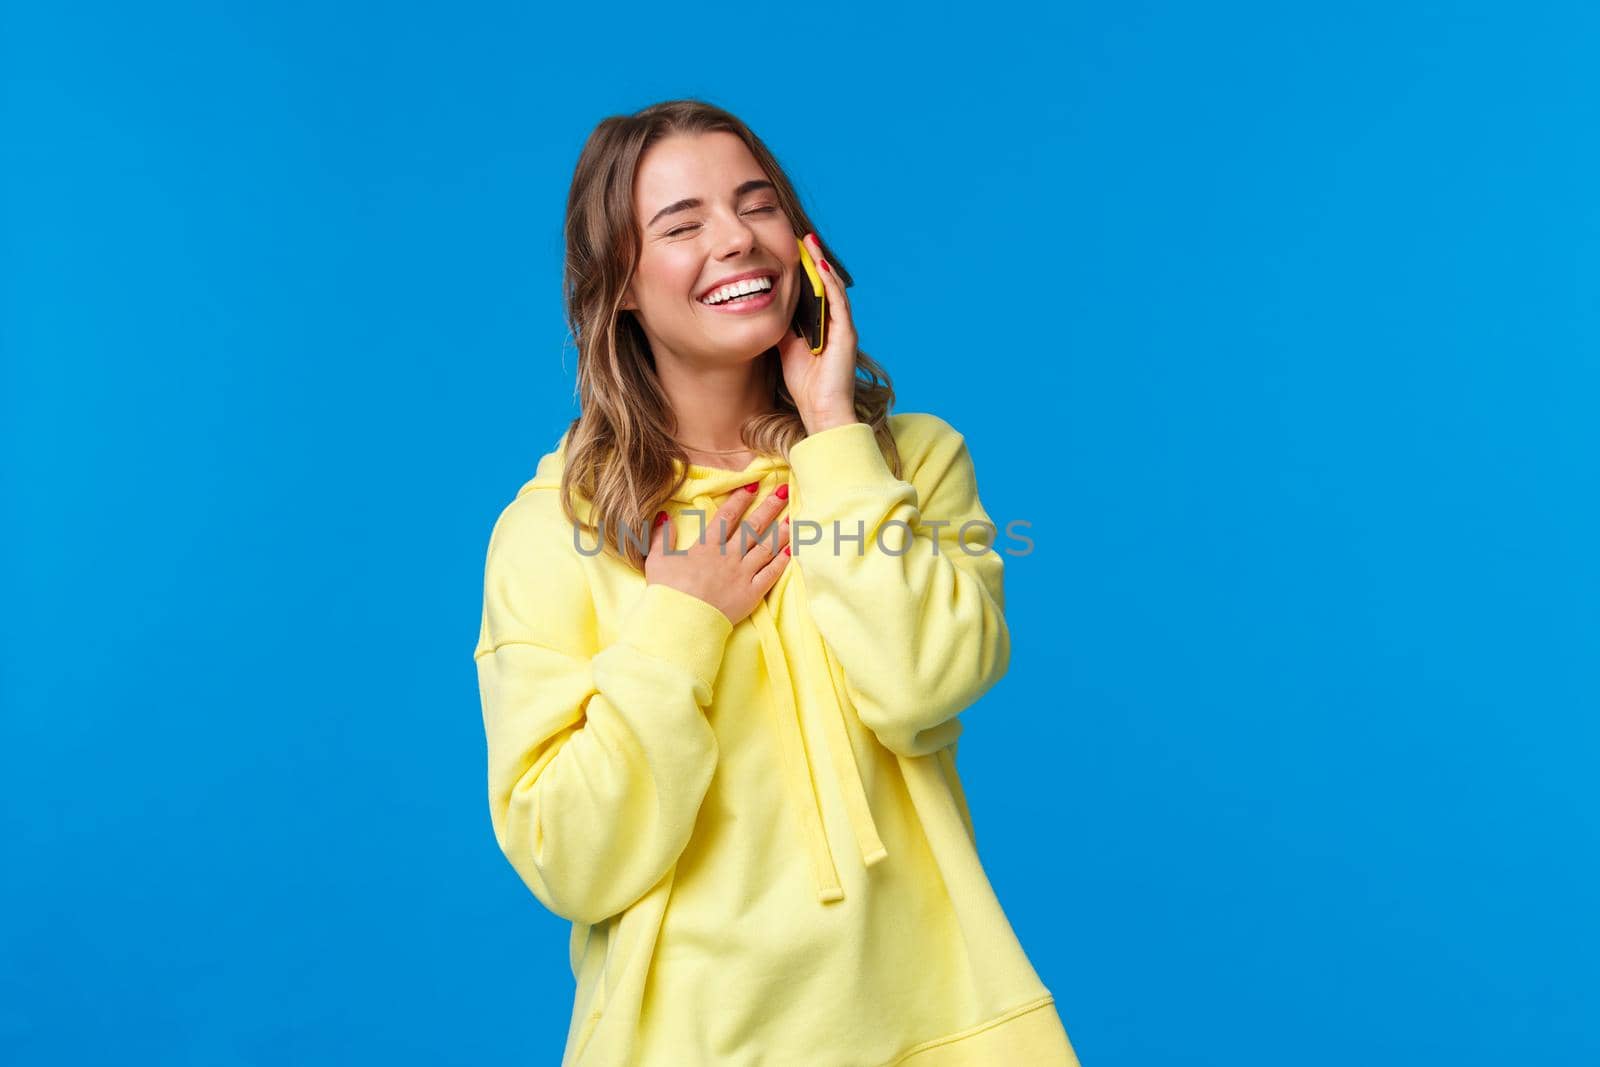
x,y
764,209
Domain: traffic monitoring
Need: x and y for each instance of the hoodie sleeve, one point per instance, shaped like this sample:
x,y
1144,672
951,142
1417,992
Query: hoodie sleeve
x,y
916,622
598,758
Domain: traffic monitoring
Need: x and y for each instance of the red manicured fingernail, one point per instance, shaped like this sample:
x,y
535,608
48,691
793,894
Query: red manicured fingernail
x,y
753,486
782,492
786,550
824,265
661,517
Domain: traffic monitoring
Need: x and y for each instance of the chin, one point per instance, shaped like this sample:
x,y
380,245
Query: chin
x,y
751,353
753,341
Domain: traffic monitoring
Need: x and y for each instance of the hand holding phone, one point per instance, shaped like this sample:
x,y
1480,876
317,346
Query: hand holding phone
x,y
820,361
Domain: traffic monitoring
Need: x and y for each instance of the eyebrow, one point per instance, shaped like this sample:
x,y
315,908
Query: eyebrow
x,y
694,201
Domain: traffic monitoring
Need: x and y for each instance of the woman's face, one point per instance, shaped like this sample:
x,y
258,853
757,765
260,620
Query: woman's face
x,y
688,250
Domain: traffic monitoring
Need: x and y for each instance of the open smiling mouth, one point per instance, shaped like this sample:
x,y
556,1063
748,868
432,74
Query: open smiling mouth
x,y
752,302
752,295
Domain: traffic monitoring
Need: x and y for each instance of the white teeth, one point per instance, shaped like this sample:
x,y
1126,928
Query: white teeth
x,y
728,292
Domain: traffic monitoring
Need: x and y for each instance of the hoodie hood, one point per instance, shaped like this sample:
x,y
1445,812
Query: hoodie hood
x,y
705,489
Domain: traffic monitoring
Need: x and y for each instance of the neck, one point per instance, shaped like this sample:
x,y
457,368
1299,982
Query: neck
x,y
711,404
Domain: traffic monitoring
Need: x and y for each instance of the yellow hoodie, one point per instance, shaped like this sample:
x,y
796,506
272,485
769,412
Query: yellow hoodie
x,y
757,830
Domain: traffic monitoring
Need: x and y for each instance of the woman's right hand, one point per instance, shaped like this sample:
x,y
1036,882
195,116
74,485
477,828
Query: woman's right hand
x,y
722,567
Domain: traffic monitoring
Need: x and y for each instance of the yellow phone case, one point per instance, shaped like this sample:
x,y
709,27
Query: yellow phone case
x,y
817,289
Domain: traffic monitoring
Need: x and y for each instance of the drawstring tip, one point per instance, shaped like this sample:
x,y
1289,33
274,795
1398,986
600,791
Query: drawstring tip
x,y
828,894
875,856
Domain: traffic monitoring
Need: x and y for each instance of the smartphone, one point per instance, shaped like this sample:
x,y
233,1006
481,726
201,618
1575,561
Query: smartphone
x,y
811,314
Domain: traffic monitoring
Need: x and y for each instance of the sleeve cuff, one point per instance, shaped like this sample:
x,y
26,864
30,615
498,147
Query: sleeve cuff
x,y
669,624
837,461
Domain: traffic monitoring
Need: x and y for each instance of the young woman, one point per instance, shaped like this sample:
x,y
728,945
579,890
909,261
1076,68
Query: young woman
x,y
723,745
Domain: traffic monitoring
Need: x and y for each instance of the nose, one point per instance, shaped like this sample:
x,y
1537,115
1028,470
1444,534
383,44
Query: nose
x,y
733,234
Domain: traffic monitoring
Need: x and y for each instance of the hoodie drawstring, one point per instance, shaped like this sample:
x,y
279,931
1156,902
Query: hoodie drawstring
x,y
801,775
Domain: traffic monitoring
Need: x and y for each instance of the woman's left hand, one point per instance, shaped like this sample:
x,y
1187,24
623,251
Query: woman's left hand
x,y
823,385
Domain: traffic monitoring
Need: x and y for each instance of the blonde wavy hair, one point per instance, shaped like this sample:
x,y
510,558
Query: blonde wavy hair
x,y
621,450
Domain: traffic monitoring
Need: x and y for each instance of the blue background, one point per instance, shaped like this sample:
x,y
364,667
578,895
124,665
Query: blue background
x,y
1278,325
